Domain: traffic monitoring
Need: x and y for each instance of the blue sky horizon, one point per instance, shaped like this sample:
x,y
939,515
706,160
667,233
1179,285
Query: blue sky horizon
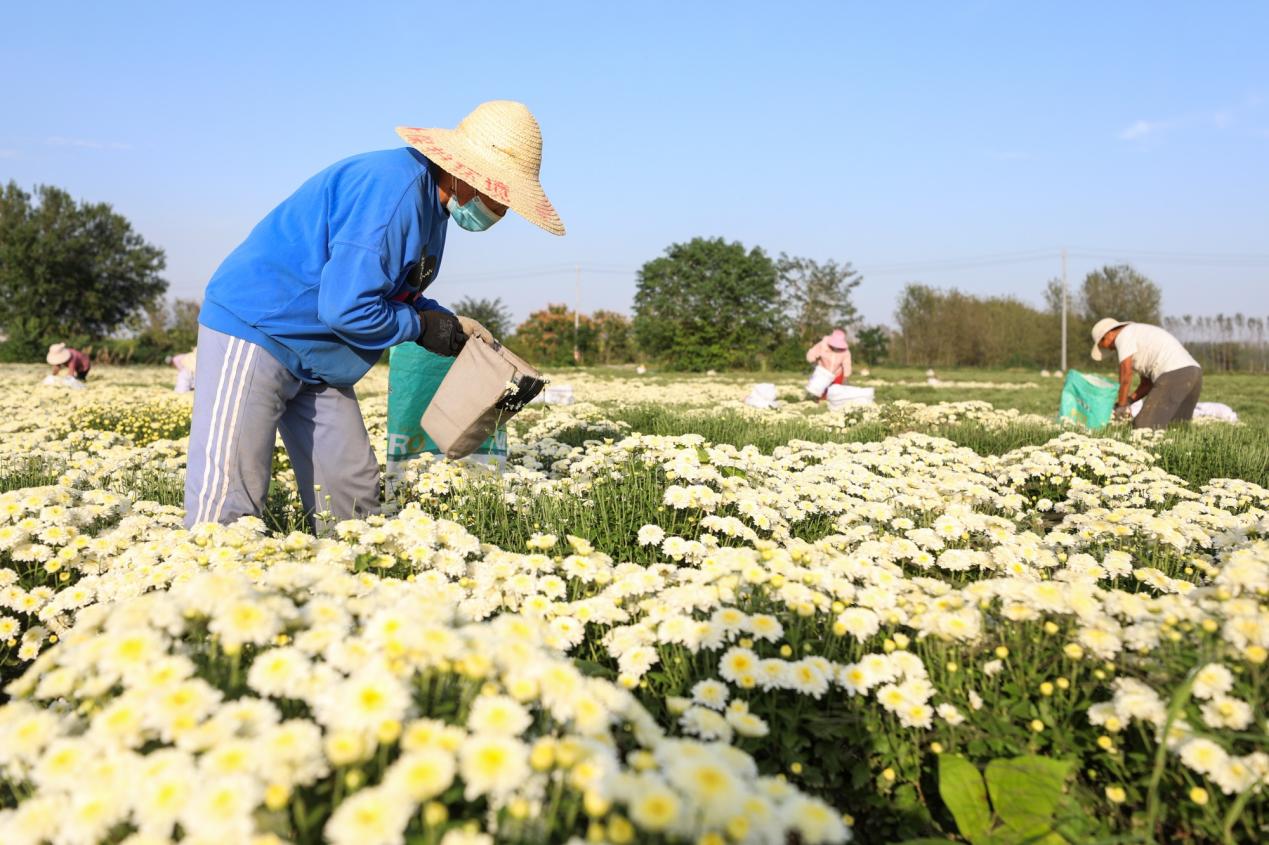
x,y
958,145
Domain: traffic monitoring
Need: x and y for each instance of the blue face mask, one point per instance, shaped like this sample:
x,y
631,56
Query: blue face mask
x,y
473,215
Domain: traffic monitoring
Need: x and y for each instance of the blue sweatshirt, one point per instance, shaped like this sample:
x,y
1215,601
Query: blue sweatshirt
x,y
325,282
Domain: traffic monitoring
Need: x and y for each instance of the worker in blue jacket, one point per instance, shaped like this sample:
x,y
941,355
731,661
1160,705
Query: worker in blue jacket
x,y
333,276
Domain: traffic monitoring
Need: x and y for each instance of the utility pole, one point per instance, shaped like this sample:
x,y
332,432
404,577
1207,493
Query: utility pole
x,y
1064,298
577,315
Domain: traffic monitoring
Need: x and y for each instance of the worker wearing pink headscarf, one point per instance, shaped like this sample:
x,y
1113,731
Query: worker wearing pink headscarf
x,y
833,354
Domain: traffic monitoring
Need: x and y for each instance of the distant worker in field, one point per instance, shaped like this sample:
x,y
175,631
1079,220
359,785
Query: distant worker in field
x,y
186,365
1170,377
831,357
333,276
76,363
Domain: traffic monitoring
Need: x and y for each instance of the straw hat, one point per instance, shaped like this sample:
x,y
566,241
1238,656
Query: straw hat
x,y
497,149
58,354
1100,329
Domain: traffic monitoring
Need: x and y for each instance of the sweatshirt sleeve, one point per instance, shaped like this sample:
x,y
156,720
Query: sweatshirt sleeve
x,y
422,303
813,354
846,365
352,300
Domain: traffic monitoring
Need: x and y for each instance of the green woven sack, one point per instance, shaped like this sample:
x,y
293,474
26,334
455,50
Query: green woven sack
x,y
1088,400
414,374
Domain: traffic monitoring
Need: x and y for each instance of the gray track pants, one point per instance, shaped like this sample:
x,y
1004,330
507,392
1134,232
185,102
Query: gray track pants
x,y
1171,399
243,396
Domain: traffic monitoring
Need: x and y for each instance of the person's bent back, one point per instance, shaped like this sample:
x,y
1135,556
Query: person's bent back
x,y
1171,379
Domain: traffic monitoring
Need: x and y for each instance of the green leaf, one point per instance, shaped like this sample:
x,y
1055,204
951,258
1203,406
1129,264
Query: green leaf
x,y
1025,792
591,669
962,789
1073,821
926,840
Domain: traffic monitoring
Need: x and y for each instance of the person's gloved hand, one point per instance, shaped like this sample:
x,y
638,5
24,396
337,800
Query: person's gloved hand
x,y
440,332
1122,412
471,328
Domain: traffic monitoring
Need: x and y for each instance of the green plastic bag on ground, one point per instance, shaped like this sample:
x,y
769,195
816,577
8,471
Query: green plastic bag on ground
x,y
414,374
1088,400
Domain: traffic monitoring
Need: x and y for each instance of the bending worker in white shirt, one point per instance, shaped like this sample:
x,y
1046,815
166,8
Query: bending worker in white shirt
x,y
1170,377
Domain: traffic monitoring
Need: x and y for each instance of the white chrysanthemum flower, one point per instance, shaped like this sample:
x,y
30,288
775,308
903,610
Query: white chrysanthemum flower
x,y
711,694
747,724
364,701
949,714
708,784
492,764
421,775
1212,680
372,816
1135,700
654,806
737,663
1222,711
222,809
498,714
860,622
807,677
280,673
245,621
706,724
1235,776
815,821
166,783
1202,755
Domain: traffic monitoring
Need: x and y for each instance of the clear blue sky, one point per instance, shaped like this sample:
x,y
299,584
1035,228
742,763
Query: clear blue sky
x,y
890,135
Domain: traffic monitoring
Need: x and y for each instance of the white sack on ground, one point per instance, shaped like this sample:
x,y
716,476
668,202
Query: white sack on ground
x,y
558,394
1202,411
64,381
841,395
762,396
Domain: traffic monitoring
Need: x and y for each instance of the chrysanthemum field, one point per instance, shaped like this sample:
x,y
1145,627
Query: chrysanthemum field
x,y
672,619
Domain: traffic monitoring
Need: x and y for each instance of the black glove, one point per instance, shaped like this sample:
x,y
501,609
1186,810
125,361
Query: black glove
x,y
441,333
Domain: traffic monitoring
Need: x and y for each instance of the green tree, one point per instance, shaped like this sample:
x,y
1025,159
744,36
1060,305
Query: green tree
x,y
182,326
613,340
872,344
493,314
68,270
817,296
916,314
547,337
707,303
1121,292
951,328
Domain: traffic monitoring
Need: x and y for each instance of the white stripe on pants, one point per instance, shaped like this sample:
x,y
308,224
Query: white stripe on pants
x,y
243,398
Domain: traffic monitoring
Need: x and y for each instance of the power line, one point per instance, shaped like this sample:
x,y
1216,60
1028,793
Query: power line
x,y
1219,256
951,264
888,268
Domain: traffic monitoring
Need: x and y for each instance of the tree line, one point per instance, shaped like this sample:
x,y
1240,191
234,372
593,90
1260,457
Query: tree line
x,y
943,328
704,304
77,272
1231,343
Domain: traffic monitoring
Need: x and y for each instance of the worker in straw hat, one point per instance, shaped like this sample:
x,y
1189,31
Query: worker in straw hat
x,y
832,354
1171,379
333,276
75,362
